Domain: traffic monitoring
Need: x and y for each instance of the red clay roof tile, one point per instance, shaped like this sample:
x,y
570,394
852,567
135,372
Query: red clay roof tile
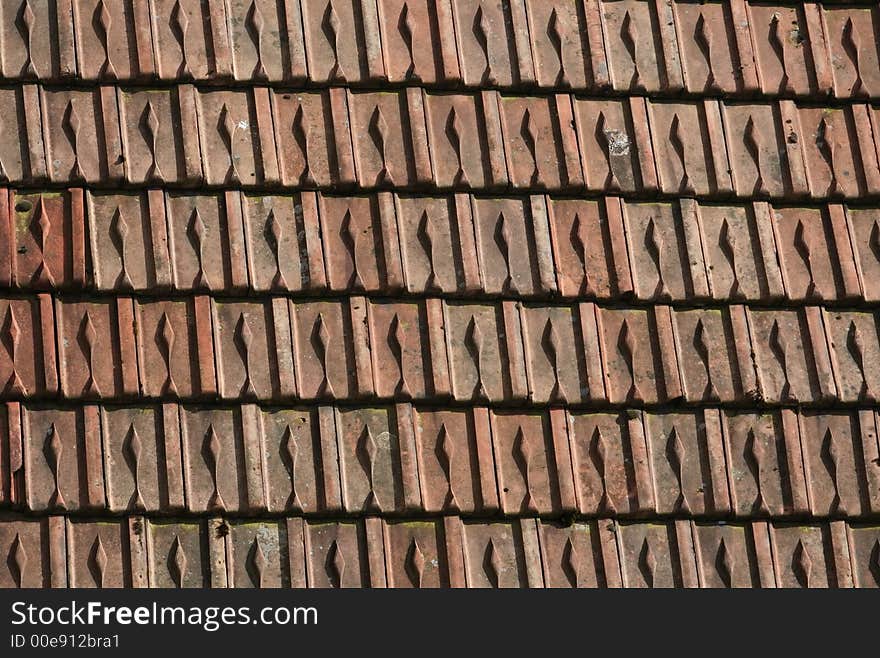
x,y
439,294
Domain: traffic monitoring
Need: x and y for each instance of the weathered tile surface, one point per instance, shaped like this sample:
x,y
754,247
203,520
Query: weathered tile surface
x,y
447,293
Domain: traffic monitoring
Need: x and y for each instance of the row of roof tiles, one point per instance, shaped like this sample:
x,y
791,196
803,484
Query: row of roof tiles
x,y
732,47
537,246
411,138
500,352
405,460
448,552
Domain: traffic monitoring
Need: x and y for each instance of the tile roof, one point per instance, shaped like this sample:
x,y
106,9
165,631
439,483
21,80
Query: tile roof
x,y
448,293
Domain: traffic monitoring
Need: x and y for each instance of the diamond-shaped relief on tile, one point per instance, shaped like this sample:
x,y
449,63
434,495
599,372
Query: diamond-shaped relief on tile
x,y
728,556
177,553
494,556
853,342
524,462
47,239
583,555
212,445
96,554
28,561
456,467
415,554
651,554
258,552
336,554
370,460
853,50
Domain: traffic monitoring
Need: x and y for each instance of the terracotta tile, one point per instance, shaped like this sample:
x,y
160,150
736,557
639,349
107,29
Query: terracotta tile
x,y
380,132
98,555
154,123
708,51
334,41
831,153
10,450
631,355
477,356
632,43
258,554
506,253
494,556
415,554
105,38
205,242
610,151
246,351
532,143
22,369
863,542
870,451
434,244
649,555
707,350
807,248
230,139
758,458
352,234
783,355
524,463
586,266
212,450
555,361
181,36
682,453
577,556
560,44
855,349
52,450
324,351
177,553
369,460
48,239
336,554
605,460
681,144
657,251
451,471
401,357
25,542
784,58
864,231
133,445
122,241
458,127
802,555
306,138
203,374
14,153
294,460
412,45
832,462
740,252
726,557
484,41
25,55
77,149
756,143
256,30
168,340
853,49
89,341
